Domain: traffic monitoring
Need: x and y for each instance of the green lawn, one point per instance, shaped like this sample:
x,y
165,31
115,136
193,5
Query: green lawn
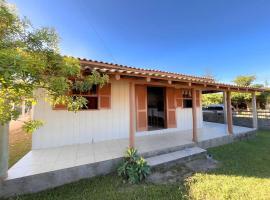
x,y
19,144
244,174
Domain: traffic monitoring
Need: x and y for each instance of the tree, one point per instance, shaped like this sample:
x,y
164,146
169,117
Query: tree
x,y
215,98
244,80
29,60
243,99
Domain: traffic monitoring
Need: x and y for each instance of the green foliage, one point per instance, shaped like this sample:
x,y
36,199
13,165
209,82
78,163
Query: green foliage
x,y
215,98
134,168
238,98
86,84
29,60
244,80
32,125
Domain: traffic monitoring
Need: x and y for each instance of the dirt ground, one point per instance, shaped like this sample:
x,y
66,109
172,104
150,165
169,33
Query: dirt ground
x,y
19,141
179,172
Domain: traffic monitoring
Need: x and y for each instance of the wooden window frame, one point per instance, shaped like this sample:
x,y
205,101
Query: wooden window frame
x,y
186,98
97,95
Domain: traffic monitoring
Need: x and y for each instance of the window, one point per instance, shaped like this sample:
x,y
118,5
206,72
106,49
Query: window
x,y
91,104
187,103
187,99
91,96
97,98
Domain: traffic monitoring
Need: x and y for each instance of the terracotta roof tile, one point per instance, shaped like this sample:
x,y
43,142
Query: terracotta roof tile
x,y
112,67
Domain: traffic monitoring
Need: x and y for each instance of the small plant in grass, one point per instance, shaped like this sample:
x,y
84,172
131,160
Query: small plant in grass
x,y
133,168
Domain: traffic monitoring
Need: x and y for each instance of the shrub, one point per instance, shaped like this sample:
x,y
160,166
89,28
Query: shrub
x,y
133,168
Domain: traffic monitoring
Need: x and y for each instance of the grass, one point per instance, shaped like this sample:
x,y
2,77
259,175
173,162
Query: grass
x,y
19,142
244,174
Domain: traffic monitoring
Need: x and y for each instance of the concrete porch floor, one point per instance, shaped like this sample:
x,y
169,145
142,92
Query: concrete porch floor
x,y
53,159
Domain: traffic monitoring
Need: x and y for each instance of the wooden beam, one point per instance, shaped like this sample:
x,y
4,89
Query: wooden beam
x,y
194,117
132,114
170,82
229,113
225,107
254,111
148,79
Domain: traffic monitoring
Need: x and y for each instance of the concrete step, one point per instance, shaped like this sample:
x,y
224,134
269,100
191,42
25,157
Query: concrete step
x,y
183,155
161,151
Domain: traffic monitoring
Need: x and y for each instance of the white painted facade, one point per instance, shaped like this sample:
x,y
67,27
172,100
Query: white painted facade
x,y
183,122
65,128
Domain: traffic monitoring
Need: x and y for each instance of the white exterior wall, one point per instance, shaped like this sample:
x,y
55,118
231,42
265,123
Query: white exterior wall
x,y
65,128
184,118
183,122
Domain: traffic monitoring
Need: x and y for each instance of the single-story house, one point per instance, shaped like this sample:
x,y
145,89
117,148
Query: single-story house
x,y
136,102
157,112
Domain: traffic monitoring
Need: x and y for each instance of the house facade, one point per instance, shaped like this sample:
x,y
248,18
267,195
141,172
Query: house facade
x,y
136,102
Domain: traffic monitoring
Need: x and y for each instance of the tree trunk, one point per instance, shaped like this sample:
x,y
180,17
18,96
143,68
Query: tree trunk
x,y
4,132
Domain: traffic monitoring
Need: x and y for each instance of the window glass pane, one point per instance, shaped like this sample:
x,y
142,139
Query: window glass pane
x,y
187,103
91,104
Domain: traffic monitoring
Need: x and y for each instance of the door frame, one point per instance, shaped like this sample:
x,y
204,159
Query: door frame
x,y
164,105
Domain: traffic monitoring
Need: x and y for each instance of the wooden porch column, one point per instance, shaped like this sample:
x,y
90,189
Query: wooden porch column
x,y
132,115
229,113
254,111
194,117
225,107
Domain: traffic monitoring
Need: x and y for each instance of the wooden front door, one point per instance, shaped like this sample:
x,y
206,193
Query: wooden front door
x,y
141,107
170,105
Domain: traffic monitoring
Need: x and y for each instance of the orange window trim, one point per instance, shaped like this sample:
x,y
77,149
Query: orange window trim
x,y
178,98
103,95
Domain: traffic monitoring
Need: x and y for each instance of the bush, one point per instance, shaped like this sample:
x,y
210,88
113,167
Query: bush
x,y
134,168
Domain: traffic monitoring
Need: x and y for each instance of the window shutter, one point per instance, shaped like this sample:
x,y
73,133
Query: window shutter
x,y
198,98
141,107
178,98
171,113
105,96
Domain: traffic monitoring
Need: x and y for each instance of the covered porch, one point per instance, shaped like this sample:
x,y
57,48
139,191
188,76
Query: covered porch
x,y
47,168
54,159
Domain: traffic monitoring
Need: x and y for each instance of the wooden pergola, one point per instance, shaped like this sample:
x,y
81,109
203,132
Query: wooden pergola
x,y
142,76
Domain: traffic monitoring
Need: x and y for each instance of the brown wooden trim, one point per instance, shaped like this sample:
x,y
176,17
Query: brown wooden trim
x,y
184,84
141,107
194,117
170,107
132,115
229,113
59,107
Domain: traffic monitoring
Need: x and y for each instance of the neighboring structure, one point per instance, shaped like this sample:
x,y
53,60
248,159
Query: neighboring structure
x,y
136,102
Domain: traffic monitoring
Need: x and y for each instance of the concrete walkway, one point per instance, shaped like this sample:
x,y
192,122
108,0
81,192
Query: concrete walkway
x,y
46,160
